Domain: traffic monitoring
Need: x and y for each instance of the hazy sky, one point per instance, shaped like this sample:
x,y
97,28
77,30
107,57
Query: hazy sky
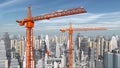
x,y
105,13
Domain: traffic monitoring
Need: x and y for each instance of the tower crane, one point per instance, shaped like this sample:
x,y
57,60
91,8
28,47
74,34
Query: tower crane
x,y
70,32
28,22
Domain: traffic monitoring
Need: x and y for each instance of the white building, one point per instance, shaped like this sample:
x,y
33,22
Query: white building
x,y
57,51
47,42
113,43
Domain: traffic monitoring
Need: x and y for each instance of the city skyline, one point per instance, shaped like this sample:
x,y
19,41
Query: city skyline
x,y
99,14
87,52
47,47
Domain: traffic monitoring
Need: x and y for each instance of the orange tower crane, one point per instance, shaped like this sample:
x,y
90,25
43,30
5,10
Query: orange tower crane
x,y
29,23
70,32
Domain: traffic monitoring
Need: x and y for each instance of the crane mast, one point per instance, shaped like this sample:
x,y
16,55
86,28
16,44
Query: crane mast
x,y
29,23
70,32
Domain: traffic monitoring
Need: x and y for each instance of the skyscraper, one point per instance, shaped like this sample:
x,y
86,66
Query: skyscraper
x,y
78,40
106,46
57,51
91,58
118,42
97,47
116,60
108,60
102,46
47,43
6,38
113,43
3,58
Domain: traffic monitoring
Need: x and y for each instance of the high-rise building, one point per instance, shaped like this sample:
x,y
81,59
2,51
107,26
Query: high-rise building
x,y
119,43
78,40
6,38
91,58
12,43
47,43
97,47
84,45
57,51
13,49
106,46
3,58
112,59
91,54
102,46
22,47
116,60
113,43
18,46
108,60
